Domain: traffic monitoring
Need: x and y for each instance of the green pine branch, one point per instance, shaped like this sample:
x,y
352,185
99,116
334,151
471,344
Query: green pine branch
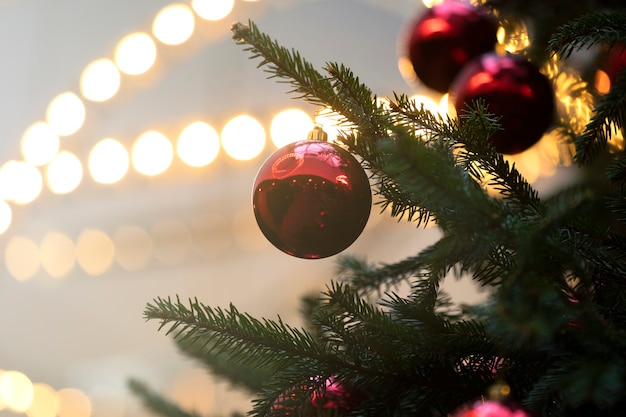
x,y
595,28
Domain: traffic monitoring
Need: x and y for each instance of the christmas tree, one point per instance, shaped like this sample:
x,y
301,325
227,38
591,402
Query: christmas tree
x,y
550,338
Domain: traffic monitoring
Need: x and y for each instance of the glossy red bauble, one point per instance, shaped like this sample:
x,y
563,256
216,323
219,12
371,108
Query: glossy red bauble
x,y
311,199
490,409
446,37
334,396
514,90
615,61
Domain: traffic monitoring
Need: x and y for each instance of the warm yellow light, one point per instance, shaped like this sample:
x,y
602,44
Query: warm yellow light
x,y
330,121
6,216
428,103
172,242
20,182
64,173
66,114
174,24
94,251
405,67
445,108
198,144
243,138
152,153
16,390
431,3
21,257
213,9
602,82
57,254
108,161
73,403
289,126
133,247
100,80
135,54
515,40
39,144
45,402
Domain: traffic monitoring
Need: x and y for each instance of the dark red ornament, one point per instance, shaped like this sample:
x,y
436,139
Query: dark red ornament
x,y
615,61
513,89
334,396
446,37
490,409
311,199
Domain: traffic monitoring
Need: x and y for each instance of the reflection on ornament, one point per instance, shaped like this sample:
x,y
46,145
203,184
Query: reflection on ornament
x,y
311,199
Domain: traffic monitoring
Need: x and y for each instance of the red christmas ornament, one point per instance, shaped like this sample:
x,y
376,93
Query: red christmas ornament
x,y
514,90
311,199
615,61
334,396
490,409
445,38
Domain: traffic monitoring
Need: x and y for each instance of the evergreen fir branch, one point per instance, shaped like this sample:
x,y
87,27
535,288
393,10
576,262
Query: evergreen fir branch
x,y
246,339
283,63
616,172
481,159
595,28
367,278
608,118
477,156
156,402
341,91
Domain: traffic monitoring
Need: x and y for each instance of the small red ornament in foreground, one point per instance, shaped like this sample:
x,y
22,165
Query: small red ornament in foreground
x,y
446,37
514,90
490,409
334,396
311,199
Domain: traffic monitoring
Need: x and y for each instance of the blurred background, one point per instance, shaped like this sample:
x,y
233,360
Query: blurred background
x,y
130,136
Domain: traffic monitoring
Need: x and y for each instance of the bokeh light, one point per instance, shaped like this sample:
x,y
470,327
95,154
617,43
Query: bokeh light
x,y
198,144
174,24
330,122
6,216
243,138
428,103
57,254
94,251
108,161
100,80
289,126
39,144
16,390
45,402
20,182
152,153
66,114
135,54
21,257
73,403
64,173
133,247
212,9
